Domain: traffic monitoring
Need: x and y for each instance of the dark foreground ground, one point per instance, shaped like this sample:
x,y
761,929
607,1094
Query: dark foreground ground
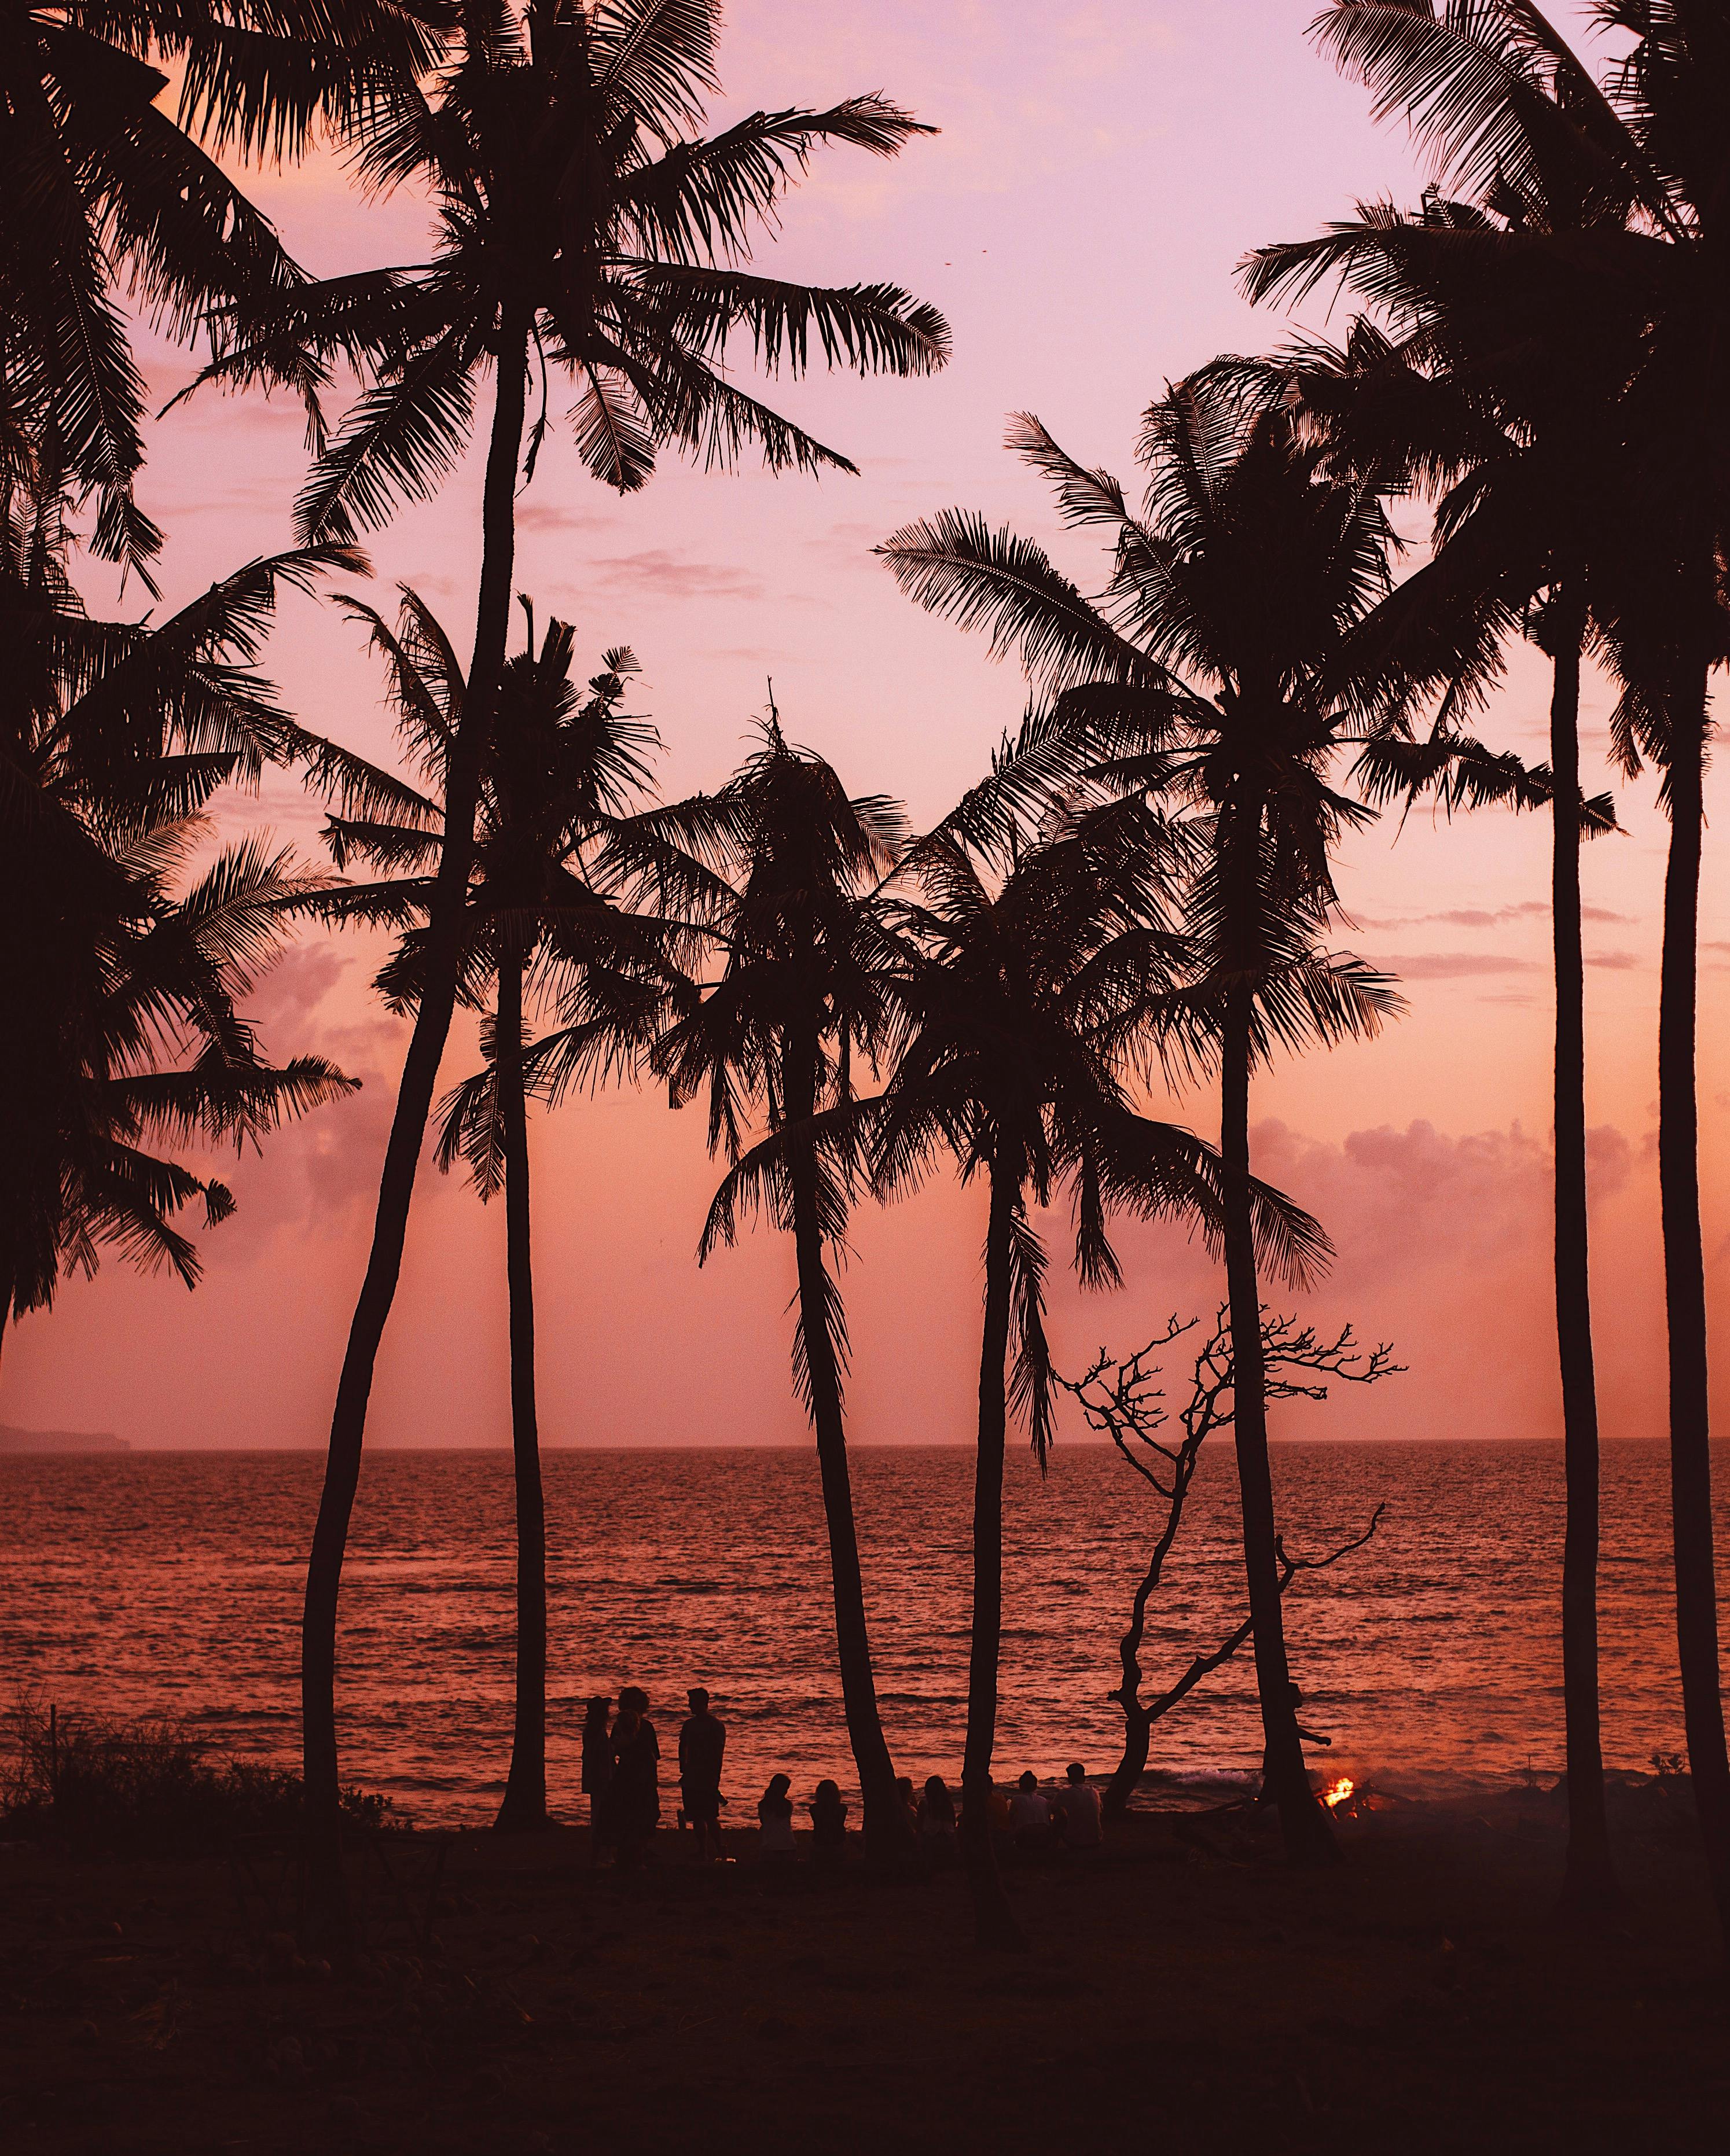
x,y
1184,1991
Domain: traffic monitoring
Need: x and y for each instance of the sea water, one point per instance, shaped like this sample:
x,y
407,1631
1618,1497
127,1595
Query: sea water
x,y
169,1584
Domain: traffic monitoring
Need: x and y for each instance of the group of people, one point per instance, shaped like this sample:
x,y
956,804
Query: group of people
x,y
1027,1821
621,1776
621,1779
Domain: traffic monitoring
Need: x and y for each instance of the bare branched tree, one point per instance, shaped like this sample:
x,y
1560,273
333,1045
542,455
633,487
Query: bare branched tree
x,y
1125,1401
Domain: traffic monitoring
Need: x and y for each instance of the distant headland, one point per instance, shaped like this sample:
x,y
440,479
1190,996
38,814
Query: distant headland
x,y
14,1440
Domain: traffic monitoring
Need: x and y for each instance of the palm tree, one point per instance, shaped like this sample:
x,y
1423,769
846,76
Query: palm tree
x,y
1504,105
104,191
1221,667
555,851
120,980
1503,394
800,1000
581,221
1022,997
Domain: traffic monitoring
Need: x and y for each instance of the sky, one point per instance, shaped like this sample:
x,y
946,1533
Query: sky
x,y
1100,170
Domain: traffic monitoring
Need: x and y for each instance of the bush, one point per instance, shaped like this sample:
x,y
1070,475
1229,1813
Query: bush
x,y
149,1788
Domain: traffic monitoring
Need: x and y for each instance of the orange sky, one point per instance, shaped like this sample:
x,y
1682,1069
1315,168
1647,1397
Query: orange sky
x,y
1101,169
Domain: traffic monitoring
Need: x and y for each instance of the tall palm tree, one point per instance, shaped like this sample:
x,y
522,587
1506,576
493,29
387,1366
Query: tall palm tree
x,y
557,851
121,972
800,1004
1502,102
1023,998
580,221
102,192
1501,392
1220,664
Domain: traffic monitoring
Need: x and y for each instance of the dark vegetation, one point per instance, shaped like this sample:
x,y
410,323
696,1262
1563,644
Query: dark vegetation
x,y
88,1788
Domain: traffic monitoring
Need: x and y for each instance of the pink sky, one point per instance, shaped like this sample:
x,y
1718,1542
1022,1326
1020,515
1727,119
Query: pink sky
x,y
1100,170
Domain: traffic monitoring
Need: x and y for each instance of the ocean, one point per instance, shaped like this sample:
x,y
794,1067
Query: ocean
x,y
168,1584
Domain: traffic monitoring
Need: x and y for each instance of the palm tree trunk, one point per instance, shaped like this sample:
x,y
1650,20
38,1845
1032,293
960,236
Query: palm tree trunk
x,y
888,1833
524,1808
993,1918
1309,1835
1697,1609
1590,1883
328,1915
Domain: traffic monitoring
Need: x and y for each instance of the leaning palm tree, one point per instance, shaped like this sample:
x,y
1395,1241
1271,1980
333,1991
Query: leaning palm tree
x,y
1021,999
1501,394
557,852
799,1006
582,223
106,198
1218,673
121,969
1504,105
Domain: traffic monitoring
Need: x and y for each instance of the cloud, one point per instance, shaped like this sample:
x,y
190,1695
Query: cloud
x,y
1464,917
1443,1245
1615,962
1457,965
1604,913
288,995
674,575
539,516
312,1175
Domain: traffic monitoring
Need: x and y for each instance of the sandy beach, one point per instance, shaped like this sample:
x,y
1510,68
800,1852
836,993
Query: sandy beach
x,y
1185,1989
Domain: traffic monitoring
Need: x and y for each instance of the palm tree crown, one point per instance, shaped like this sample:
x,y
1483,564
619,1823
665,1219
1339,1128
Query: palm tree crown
x,y
581,220
120,985
104,192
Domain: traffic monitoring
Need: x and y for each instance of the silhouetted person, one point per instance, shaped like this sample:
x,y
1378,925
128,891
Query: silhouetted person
x,y
1084,1822
1029,1817
636,1794
910,1803
702,1742
996,1812
938,1841
598,1773
1308,1736
775,1817
828,1825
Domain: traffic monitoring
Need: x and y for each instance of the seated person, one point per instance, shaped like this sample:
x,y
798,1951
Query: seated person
x,y
1029,1817
828,1824
1079,1806
775,1817
937,1822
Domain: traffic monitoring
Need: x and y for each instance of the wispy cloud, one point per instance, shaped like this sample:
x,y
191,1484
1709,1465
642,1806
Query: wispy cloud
x,y
1457,965
1465,916
675,576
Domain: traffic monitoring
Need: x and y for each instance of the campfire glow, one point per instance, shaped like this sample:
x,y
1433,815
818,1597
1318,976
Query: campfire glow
x,y
1337,1792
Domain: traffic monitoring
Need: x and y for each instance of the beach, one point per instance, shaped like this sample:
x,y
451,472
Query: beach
x,y
1185,1989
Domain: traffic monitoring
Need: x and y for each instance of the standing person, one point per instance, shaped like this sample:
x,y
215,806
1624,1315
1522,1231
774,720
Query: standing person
x,y
703,1743
775,1817
1079,1804
828,1825
598,1772
636,1794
